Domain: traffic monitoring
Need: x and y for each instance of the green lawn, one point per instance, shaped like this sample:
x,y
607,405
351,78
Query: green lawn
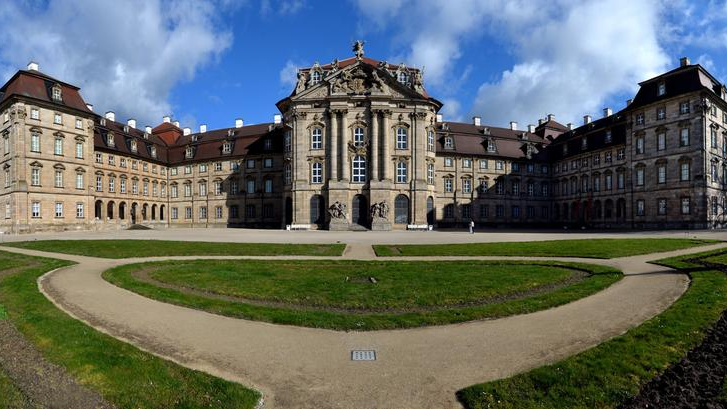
x,y
595,248
406,294
154,248
124,375
608,374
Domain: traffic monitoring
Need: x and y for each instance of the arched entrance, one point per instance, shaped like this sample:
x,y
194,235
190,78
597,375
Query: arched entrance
x,y
110,210
359,210
161,212
134,207
621,209
288,210
317,210
122,210
401,209
97,210
430,210
144,211
154,212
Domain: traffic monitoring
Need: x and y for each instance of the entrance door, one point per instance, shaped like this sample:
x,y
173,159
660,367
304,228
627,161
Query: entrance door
x,y
430,210
360,210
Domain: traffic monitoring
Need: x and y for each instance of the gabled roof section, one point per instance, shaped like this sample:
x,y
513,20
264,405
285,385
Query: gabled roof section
x,y
679,81
38,86
469,139
123,135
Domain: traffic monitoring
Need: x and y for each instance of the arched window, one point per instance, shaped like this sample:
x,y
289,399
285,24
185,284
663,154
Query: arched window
x,y
401,172
315,77
316,172
316,138
401,138
401,209
358,136
359,169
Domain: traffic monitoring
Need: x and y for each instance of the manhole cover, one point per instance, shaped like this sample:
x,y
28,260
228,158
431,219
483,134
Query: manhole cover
x,y
363,355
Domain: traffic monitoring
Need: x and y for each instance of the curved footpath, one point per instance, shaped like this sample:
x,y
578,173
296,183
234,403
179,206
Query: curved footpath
x,y
297,367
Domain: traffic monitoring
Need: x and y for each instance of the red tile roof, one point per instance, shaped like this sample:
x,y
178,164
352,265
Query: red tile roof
x,y
36,85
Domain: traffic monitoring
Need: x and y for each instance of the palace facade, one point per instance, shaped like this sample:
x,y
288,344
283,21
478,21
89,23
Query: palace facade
x,y
359,144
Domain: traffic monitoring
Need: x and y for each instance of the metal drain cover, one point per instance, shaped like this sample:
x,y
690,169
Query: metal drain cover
x,y
363,355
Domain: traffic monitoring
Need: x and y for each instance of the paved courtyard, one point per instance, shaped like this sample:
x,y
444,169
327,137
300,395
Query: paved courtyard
x,y
298,367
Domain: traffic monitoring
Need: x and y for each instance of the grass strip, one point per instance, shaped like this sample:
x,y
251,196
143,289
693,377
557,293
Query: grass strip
x,y
592,248
333,318
158,248
123,374
606,375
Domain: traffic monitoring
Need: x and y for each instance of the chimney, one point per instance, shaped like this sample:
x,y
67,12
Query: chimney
x,y
203,128
147,129
476,120
683,62
586,119
531,128
570,125
110,115
176,123
551,117
277,119
166,119
131,122
238,123
540,121
629,101
33,66
440,118
90,107
513,125
187,131
607,112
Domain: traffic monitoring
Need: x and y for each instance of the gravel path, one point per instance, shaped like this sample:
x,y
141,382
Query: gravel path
x,y
416,368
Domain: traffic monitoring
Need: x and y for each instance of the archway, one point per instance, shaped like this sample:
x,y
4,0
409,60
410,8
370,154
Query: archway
x,y
401,209
430,210
161,212
608,209
134,208
288,210
144,211
122,210
97,210
359,210
154,211
621,208
110,210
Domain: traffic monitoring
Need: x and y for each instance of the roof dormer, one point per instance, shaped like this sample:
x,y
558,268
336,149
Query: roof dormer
x,y
57,93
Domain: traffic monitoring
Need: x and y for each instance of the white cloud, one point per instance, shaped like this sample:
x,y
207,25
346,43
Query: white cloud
x,y
570,56
126,56
282,7
289,75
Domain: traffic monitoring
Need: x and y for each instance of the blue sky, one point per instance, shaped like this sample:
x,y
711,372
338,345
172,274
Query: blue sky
x,y
211,61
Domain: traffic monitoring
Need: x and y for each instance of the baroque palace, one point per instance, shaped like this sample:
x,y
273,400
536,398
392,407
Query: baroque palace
x,y
359,144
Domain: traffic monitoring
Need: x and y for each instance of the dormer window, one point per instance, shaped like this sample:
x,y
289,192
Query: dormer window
x,y
661,90
608,138
315,77
153,151
126,128
110,140
226,147
584,143
146,135
194,138
402,77
529,152
448,143
57,93
102,121
490,146
565,149
133,146
189,153
268,144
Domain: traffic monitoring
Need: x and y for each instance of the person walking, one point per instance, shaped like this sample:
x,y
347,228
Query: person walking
x,y
472,226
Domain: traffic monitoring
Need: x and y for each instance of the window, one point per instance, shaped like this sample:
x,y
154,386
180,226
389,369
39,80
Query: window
x,y
684,107
173,191
608,181
268,186
684,137
430,141
234,212
515,187
620,180
516,211
34,113
153,151
584,162
466,185
448,144
715,206
500,211
79,210
250,164
491,146
530,167
154,188
715,174
359,169
132,145
544,189
607,157
499,187
268,163
661,173
316,173
713,138
111,160
621,154
6,144
251,186
640,176
448,162
7,177
35,142
268,144
448,185
35,176
483,163
686,205
203,212
661,141
401,172
531,188
640,118
402,77
358,136
466,163
661,207
250,211
226,147
565,149
135,186
401,138
188,212
596,183
79,150
661,113
218,212
639,145
58,178
484,211
35,210
287,147
584,142
175,213
59,210
466,211
315,77
174,171
79,180
187,169
640,207
79,123
99,183
685,168
288,174
202,188
57,119
218,166
661,89
234,188
499,165
58,146
449,211
316,138
430,173
189,153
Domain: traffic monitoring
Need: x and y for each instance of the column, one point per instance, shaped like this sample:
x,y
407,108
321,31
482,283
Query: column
x,y
345,165
387,141
333,139
375,145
